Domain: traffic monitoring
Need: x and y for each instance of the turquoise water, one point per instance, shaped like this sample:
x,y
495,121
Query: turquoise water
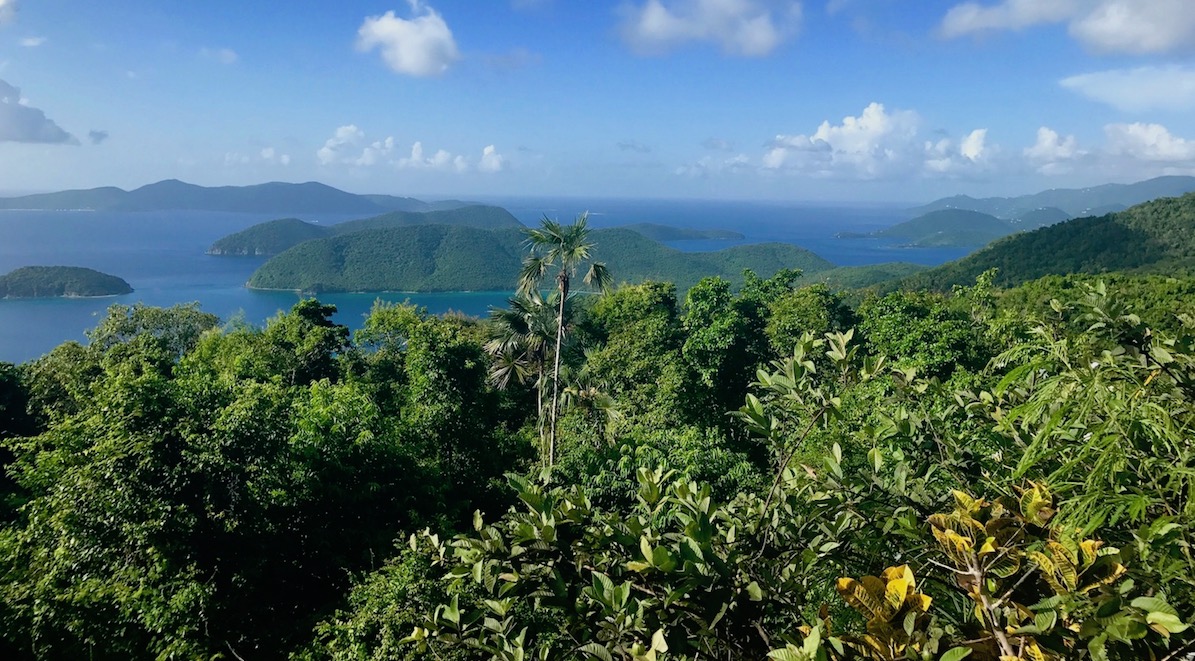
x,y
162,256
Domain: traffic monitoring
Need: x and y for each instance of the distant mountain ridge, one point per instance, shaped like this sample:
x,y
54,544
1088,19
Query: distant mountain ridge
x,y
273,197
1075,202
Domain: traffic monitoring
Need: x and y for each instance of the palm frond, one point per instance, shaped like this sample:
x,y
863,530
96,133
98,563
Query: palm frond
x,y
532,274
599,276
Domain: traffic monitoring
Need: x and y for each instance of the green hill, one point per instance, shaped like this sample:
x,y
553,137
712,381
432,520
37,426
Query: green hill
x,y
1155,237
275,236
60,282
860,277
1046,216
458,258
948,227
1074,201
478,215
663,233
269,238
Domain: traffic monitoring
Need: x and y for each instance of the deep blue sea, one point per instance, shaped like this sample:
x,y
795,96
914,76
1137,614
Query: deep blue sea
x,y
162,256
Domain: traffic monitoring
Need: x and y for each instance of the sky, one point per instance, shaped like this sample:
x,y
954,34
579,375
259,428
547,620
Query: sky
x,y
810,100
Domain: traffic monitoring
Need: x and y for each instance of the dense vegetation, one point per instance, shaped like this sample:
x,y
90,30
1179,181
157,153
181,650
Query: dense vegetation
x,y
269,238
60,281
443,258
1044,216
1075,202
478,215
760,471
1155,237
276,236
949,227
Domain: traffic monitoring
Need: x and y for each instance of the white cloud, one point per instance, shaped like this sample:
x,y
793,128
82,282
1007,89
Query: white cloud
x,y
271,155
420,46
1130,151
441,160
1052,154
349,146
1149,142
1122,26
751,28
867,145
491,160
20,122
221,55
8,10
1138,26
32,42
1140,89
972,17
879,145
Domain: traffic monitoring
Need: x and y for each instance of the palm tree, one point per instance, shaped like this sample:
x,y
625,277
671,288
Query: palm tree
x,y
564,248
519,339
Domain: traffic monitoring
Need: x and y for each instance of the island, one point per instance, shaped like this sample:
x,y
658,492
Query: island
x,y
429,258
60,282
944,228
275,236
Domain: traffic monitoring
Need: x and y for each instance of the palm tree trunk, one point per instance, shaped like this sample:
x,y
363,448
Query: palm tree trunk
x,y
539,410
562,281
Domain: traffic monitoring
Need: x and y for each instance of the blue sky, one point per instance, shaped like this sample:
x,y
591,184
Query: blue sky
x,y
827,100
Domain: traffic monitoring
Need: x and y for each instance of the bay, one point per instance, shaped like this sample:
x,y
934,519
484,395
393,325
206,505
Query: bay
x,y
161,254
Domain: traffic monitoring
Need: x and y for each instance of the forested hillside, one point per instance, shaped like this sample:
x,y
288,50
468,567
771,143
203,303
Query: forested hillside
x,y
949,227
1157,236
60,281
443,258
275,236
767,470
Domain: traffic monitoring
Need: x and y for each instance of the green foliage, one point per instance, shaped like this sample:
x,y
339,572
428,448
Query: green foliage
x,y
922,330
761,473
813,309
60,281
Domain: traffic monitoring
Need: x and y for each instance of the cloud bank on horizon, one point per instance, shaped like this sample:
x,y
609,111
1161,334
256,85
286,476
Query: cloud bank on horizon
x,y
763,98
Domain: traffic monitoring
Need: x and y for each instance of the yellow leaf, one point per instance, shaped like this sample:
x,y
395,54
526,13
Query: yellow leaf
x,y
894,593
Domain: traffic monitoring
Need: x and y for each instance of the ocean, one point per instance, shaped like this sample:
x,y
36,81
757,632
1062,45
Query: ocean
x,y
161,254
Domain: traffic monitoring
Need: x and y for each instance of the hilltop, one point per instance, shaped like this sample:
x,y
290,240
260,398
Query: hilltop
x,y
460,258
275,236
1074,202
269,238
60,282
1154,237
174,195
948,227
